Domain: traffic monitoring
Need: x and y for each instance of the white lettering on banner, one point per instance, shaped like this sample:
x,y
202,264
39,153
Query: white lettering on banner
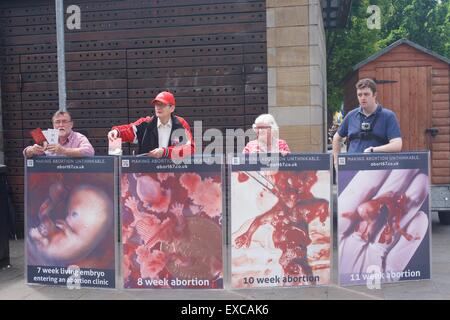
x,y
173,282
374,274
45,279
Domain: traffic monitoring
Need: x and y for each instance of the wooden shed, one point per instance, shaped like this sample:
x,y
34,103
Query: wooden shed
x,y
413,82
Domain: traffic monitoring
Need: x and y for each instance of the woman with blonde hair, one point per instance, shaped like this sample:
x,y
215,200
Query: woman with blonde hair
x,y
267,134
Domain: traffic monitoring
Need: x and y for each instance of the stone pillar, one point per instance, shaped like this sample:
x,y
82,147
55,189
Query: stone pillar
x,y
297,72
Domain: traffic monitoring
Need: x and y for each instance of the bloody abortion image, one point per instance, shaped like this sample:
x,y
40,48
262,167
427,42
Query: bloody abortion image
x,y
171,221
280,221
70,219
383,218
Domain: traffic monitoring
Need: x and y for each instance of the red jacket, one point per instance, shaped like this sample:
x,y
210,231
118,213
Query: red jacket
x,y
144,132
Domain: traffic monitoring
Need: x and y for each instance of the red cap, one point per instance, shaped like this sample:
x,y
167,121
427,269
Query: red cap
x,y
165,97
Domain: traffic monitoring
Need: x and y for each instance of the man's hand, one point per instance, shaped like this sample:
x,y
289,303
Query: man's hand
x,y
37,150
56,149
394,145
113,135
156,153
337,140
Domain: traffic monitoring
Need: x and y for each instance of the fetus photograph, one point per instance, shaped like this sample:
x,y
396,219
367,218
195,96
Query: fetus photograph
x,y
172,230
383,225
70,220
280,228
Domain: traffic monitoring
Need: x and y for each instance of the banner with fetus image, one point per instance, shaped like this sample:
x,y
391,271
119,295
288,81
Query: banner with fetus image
x,y
280,222
171,222
383,218
70,221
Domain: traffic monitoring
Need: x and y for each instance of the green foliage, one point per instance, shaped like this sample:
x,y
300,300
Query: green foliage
x,y
425,22
345,48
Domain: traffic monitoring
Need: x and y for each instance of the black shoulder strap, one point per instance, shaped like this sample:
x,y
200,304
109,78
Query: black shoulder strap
x,y
369,135
377,113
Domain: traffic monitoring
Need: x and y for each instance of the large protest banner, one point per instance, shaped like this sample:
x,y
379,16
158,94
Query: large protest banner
x,y
70,221
383,218
280,221
171,221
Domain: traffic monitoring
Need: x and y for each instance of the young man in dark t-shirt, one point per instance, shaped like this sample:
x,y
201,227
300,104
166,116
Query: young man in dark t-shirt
x,y
370,127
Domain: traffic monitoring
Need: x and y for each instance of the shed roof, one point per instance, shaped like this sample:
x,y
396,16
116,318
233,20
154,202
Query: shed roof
x,y
396,44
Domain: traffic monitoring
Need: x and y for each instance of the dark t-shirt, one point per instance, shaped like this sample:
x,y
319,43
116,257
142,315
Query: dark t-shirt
x,y
386,127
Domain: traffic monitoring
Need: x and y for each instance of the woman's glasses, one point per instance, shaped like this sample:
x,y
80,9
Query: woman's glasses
x,y
257,127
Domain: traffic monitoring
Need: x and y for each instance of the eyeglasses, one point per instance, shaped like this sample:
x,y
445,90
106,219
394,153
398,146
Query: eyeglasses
x,y
255,127
162,106
61,121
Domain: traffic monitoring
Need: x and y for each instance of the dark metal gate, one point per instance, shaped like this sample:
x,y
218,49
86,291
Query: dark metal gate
x,y
210,53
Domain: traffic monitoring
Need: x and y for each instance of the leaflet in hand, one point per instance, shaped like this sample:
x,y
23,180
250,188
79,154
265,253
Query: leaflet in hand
x,y
51,135
38,136
115,147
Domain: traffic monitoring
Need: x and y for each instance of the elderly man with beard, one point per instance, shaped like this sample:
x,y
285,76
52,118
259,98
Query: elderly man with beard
x,y
70,143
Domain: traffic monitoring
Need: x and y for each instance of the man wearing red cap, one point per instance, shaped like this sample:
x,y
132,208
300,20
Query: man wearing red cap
x,y
155,135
